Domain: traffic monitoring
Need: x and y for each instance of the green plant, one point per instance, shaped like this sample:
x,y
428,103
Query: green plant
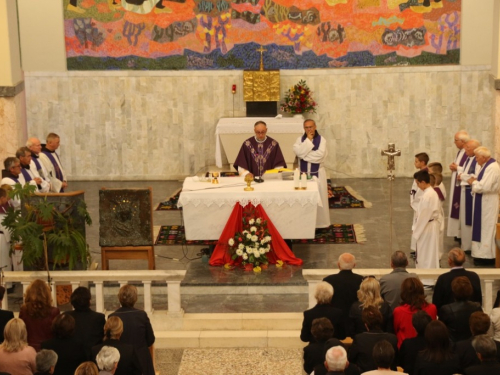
x,y
42,224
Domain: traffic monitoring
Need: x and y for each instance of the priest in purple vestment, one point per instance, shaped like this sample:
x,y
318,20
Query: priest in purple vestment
x,y
259,153
53,165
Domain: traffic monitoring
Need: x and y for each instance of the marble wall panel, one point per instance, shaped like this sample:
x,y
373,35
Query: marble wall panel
x,y
161,125
12,125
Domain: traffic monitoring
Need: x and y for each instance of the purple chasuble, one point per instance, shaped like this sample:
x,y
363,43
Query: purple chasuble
x,y
468,196
476,224
455,203
26,175
258,157
314,166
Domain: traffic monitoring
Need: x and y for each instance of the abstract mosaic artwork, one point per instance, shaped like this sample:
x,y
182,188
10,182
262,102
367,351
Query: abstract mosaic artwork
x,y
224,34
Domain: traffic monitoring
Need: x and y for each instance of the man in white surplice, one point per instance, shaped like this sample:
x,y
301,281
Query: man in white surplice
x,y
311,150
426,226
460,139
464,173
485,189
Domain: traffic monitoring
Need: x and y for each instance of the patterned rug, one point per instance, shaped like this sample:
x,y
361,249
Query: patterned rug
x,y
171,235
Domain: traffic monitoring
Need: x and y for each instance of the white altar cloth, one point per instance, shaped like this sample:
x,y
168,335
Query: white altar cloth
x,y
232,131
207,207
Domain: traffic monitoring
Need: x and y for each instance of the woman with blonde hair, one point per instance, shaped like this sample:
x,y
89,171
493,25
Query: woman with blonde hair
x,y
38,313
128,363
87,368
16,357
368,295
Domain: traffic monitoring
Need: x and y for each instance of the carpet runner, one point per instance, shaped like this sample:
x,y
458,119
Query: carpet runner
x,y
174,235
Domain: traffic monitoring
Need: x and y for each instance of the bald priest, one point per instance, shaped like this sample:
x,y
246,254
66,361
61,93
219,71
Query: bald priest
x,y
259,153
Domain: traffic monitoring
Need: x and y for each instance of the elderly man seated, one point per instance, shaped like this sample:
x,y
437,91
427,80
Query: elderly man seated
x,y
107,360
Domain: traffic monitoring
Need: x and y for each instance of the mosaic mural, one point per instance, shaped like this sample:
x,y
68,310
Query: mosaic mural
x,y
224,34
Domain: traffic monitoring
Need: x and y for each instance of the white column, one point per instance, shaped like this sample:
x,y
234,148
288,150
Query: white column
x,y
99,296
174,296
74,285
311,290
147,297
488,296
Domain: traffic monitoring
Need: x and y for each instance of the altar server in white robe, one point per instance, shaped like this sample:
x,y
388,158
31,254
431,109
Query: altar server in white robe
x,y
426,226
461,138
421,160
5,258
464,174
52,163
485,189
24,156
311,150
437,185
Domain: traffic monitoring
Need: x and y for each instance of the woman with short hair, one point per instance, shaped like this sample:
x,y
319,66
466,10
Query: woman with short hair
x,y
16,356
87,368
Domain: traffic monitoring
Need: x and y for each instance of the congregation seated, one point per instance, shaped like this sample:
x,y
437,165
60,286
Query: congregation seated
x,y
16,356
87,368
363,343
314,353
487,353
89,325
46,362
69,348
38,313
137,329
323,309
107,360
368,295
456,315
412,300
438,357
336,360
383,357
411,347
5,315
390,284
129,362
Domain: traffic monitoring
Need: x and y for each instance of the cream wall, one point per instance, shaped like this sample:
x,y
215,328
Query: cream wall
x,y
476,32
10,61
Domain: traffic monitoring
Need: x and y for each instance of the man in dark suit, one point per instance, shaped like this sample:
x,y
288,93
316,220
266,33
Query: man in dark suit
x,y
487,353
5,315
479,324
323,309
361,351
442,290
345,284
89,325
390,284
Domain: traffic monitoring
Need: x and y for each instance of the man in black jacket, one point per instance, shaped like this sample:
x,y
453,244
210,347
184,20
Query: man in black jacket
x,y
5,315
486,350
442,290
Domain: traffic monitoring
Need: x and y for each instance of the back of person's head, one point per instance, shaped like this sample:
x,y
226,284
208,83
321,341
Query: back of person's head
x,y
422,157
80,298
38,299
63,326
461,288
3,193
323,293
369,292
432,179
372,317
412,293
322,329
456,257
15,336
45,360
107,358
436,167
399,259
422,176
336,359
479,323
113,328
383,354
485,346
347,261
87,368
127,295
438,178
419,320
437,342
2,289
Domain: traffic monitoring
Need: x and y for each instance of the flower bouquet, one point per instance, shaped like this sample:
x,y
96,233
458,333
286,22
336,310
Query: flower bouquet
x,y
298,99
252,244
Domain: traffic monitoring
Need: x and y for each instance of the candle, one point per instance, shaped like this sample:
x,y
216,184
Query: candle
x,y
303,181
296,178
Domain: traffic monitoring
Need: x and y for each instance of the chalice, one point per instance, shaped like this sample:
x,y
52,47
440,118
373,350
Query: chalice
x,y
215,175
248,180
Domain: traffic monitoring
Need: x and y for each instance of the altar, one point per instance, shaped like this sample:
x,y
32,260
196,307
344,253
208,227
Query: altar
x,y
232,131
207,207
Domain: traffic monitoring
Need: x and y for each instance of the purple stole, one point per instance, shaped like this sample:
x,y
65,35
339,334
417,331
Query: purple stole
x,y
468,196
37,163
26,175
476,224
455,203
439,193
59,175
314,166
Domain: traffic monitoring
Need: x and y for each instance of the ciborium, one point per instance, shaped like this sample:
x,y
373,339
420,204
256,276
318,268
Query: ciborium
x,y
248,180
215,175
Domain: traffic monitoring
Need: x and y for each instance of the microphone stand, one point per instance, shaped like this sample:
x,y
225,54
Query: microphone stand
x,y
259,179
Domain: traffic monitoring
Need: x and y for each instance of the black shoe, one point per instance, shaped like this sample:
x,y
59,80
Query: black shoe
x,y
482,262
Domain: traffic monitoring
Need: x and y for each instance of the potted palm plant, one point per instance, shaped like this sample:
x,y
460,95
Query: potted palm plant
x,y
50,228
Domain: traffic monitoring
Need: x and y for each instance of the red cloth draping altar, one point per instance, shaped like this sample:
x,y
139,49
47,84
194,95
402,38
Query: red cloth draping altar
x,y
279,248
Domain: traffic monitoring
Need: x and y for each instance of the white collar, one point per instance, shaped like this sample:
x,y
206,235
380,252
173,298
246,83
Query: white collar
x,y
256,140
